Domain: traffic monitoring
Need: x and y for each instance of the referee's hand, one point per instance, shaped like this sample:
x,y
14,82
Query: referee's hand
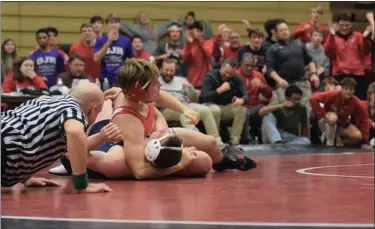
x,y
40,182
94,188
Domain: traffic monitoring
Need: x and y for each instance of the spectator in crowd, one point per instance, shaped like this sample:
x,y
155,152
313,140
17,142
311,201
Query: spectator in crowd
x,y
225,94
259,93
270,28
347,50
304,30
197,54
49,62
97,23
23,76
188,21
281,119
223,53
369,106
286,61
112,50
8,56
172,48
330,83
53,42
137,45
256,48
150,33
3,74
185,92
85,48
338,107
76,72
316,51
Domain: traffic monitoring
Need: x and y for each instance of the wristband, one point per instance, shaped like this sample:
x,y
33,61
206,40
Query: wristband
x,y
80,181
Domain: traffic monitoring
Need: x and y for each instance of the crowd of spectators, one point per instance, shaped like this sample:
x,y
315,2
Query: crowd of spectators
x,y
309,85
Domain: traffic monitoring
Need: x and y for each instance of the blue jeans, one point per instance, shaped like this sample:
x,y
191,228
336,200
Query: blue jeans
x,y
271,135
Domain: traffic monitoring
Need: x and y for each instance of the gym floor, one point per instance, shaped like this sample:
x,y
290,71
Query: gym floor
x,y
293,187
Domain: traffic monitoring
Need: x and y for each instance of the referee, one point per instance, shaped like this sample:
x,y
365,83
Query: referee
x,y
40,131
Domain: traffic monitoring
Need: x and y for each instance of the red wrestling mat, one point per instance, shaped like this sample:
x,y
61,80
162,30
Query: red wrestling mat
x,y
332,188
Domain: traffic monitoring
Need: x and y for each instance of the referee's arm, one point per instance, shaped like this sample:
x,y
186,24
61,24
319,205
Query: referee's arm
x,y
77,145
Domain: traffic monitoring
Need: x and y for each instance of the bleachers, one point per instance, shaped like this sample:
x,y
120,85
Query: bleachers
x,y
20,20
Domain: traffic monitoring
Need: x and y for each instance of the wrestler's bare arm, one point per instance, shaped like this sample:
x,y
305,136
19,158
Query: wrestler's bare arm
x,y
161,124
171,102
134,144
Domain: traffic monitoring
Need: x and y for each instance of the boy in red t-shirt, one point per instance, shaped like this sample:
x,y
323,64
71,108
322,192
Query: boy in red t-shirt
x,y
335,108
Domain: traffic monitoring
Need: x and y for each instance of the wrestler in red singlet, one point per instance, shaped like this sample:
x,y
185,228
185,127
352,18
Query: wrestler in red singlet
x,y
148,122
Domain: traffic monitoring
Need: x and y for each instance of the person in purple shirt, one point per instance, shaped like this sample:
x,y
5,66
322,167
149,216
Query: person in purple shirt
x,y
112,50
49,62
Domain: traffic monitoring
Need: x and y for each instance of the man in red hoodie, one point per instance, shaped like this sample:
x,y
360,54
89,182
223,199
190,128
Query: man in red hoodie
x,y
335,108
347,50
304,29
197,54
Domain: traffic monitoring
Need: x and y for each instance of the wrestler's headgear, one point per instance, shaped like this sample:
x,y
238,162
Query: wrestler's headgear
x,y
135,76
137,92
163,156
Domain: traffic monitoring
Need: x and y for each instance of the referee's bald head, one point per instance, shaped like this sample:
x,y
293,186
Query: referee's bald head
x,y
90,98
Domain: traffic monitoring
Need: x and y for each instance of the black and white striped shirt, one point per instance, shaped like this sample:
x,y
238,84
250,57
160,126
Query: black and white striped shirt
x,y
34,137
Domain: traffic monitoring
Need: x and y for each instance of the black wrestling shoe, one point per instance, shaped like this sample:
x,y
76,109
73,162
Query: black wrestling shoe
x,y
233,159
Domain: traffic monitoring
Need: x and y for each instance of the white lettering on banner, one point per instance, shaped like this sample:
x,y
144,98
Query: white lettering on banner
x,y
46,60
115,51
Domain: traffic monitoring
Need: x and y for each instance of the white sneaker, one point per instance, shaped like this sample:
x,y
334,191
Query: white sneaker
x,y
58,170
330,142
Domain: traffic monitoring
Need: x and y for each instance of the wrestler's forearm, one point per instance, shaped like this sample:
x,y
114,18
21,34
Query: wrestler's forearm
x,y
169,101
149,171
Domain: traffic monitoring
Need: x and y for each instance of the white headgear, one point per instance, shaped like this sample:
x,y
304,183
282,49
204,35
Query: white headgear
x,y
153,148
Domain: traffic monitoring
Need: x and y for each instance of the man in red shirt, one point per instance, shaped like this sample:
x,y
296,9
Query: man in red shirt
x,y
304,29
140,53
197,54
228,52
85,48
347,50
259,93
335,108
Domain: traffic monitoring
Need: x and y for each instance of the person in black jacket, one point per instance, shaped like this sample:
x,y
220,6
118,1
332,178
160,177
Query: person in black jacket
x,y
225,94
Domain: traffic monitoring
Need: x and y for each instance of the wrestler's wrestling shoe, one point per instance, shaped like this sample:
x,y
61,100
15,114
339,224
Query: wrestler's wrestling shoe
x,y
234,159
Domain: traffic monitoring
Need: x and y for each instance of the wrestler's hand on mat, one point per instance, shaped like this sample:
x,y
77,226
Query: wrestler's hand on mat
x,y
110,133
40,182
93,188
193,117
112,93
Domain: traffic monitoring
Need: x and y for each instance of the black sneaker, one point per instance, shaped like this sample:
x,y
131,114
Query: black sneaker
x,y
233,159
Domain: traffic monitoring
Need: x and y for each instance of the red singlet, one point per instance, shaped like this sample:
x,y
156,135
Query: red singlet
x,y
148,123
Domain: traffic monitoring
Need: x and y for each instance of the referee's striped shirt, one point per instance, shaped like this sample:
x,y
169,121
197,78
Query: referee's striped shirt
x,y
33,136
